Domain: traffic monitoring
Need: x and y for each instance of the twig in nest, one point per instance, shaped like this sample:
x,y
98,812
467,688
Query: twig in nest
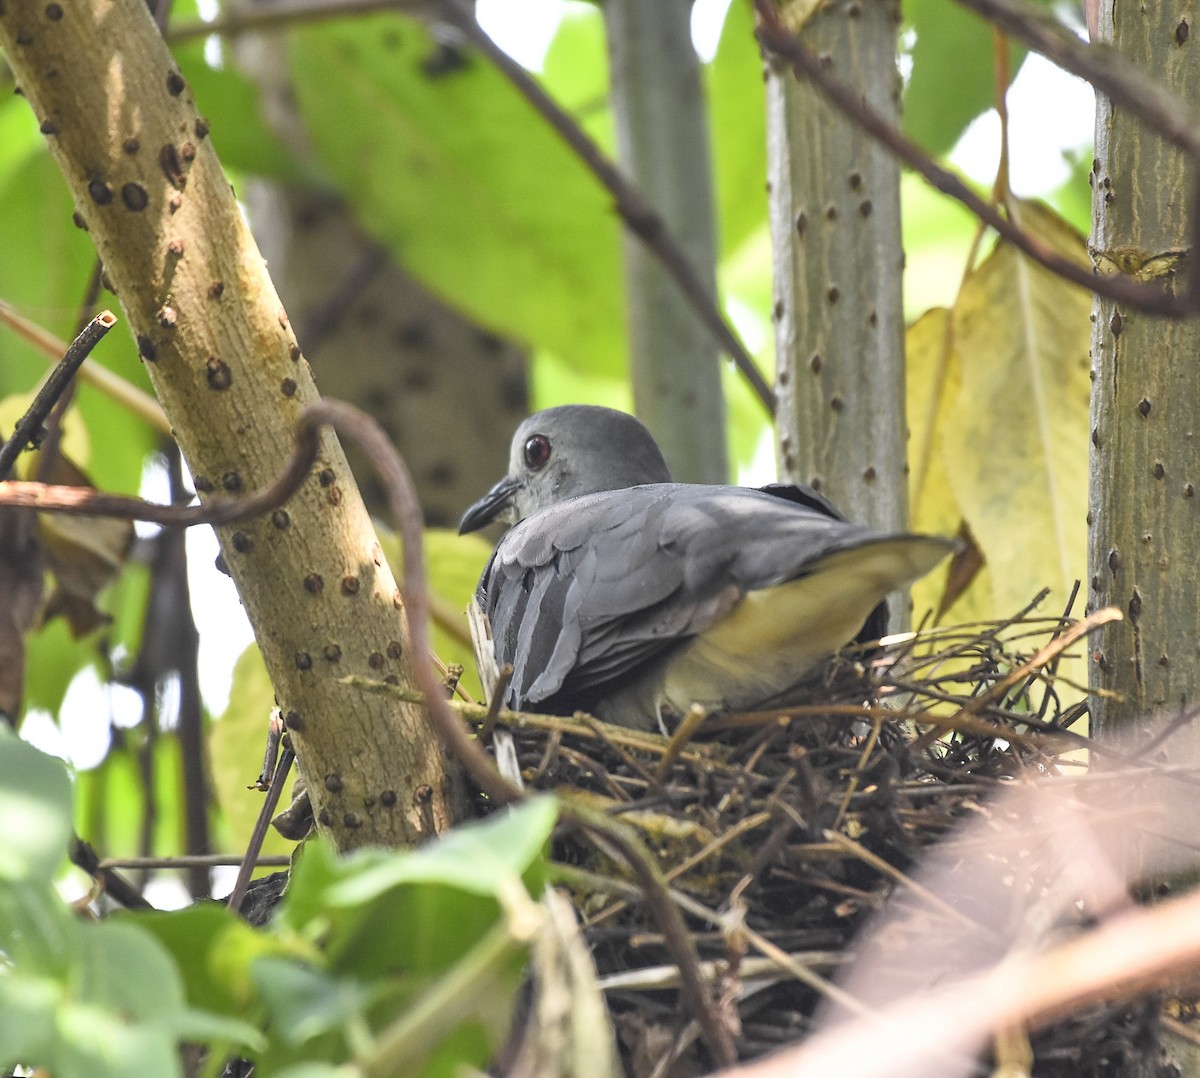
x,y
496,702
274,790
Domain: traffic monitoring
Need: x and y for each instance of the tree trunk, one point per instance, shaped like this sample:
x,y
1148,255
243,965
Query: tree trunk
x,y
662,137
1144,520
839,320
133,147
1144,517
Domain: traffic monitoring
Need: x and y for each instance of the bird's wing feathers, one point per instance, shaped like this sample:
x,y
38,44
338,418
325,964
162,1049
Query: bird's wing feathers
x,y
585,591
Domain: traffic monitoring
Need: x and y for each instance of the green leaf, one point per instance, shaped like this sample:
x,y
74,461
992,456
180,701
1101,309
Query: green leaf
x,y
554,382
575,72
450,167
417,910
114,1007
27,1007
35,811
479,858
738,109
317,1070
305,1001
214,950
95,1042
953,78
37,933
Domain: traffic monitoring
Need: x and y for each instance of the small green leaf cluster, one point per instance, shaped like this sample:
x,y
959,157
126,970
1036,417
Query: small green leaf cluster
x,y
376,964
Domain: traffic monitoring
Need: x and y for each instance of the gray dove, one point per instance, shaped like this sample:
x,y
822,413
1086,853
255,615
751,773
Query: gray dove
x,y
632,597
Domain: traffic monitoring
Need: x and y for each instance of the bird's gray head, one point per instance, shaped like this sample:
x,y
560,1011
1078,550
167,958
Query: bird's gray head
x,y
565,452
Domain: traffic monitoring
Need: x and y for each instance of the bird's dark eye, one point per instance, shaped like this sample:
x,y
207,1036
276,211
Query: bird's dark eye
x,y
537,452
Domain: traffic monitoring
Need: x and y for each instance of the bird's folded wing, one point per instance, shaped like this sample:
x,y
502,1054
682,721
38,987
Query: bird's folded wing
x,y
587,591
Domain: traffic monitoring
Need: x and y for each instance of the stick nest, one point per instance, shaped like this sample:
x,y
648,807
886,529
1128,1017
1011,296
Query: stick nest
x,y
780,832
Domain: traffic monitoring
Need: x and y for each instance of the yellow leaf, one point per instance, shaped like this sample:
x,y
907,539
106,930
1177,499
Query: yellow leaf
x,y
1015,441
74,443
934,376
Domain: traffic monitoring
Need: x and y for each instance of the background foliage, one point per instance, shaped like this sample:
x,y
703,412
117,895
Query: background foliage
x,y
463,184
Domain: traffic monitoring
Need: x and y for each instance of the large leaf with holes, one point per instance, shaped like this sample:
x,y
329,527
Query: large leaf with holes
x,y
469,188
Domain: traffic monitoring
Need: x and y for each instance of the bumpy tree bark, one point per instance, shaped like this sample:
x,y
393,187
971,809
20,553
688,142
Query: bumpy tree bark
x,y
835,224
1144,512
135,152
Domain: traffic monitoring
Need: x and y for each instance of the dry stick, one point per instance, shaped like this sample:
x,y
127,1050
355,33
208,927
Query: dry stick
x,y
282,16
749,823
193,860
115,885
775,38
678,940
639,215
128,396
250,861
1052,650
55,385
640,740
496,702
898,877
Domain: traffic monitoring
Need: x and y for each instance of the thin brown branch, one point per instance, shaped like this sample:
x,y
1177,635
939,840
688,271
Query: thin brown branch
x,y
54,386
193,860
1101,65
776,39
280,16
115,885
639,215
83,501
254,847
682,947
128,396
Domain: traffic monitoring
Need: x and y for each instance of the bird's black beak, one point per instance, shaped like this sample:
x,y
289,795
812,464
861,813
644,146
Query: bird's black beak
x,y
489,507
